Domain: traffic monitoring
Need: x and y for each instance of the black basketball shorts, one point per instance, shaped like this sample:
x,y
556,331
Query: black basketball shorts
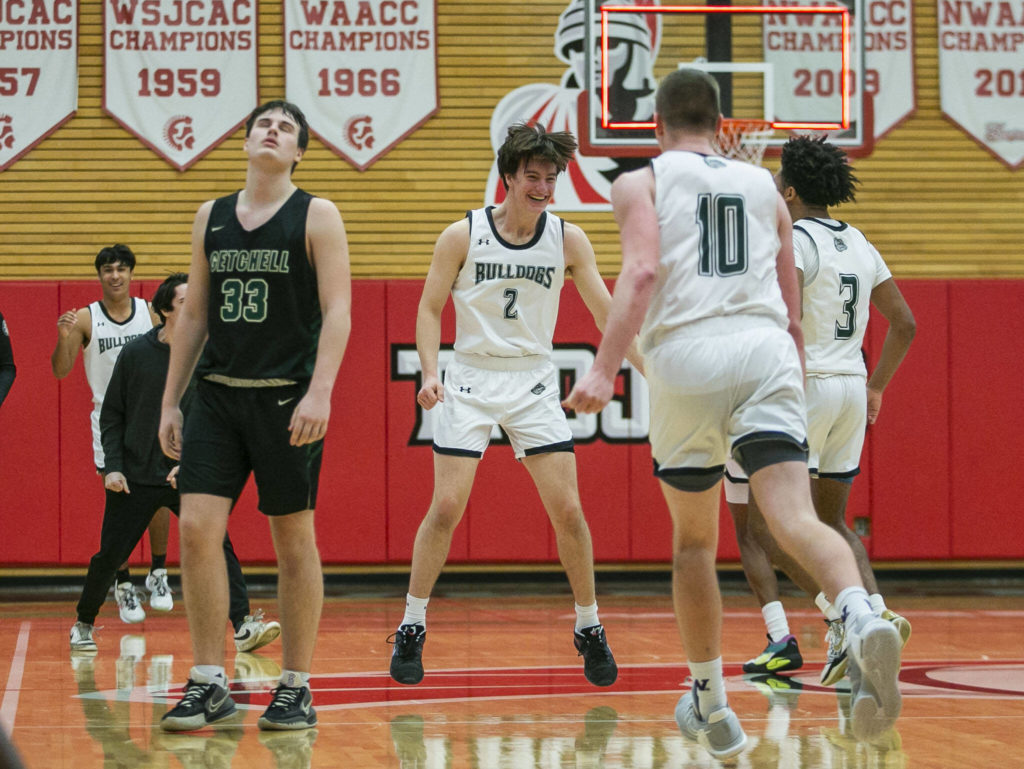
x,y
232,431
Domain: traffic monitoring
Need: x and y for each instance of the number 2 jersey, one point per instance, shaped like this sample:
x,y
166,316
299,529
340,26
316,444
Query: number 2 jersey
x,y
840,269
718,241
506,296
264,310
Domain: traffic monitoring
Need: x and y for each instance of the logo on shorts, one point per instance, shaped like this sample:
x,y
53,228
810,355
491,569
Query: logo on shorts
x,y
538,388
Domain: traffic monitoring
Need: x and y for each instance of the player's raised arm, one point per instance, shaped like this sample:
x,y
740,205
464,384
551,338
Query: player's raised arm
x,y
328,247
449,256
72,332
189,337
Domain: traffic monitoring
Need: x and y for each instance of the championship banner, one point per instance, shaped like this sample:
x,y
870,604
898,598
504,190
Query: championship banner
x,y
180,75
363,71
805,50
38,72
981,73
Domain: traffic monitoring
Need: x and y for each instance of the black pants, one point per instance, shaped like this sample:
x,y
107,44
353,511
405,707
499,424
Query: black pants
x,y
125,519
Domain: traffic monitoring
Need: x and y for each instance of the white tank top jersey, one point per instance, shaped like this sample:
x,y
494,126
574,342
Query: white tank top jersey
x,y
719,243
840,270
506,296
106,339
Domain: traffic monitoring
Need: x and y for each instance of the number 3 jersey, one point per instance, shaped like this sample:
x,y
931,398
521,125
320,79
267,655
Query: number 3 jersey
x,y
718,243
506,296
840,269
264,310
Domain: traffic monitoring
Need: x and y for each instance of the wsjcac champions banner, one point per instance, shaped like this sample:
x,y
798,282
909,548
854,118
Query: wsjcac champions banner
x,y
180,74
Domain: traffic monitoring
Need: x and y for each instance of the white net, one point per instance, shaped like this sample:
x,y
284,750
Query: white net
x,y
744,140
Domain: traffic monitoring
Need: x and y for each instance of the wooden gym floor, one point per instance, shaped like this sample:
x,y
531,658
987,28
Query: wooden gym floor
x,y
504,687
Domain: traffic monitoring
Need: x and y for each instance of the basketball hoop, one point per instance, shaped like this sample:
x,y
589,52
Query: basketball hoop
x,y
744,140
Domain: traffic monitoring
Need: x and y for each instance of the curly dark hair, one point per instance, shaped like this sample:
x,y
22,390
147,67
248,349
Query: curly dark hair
x,y
526,141
818,171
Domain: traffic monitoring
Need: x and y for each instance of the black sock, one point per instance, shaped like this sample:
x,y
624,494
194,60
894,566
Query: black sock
x,y
123,575
159,562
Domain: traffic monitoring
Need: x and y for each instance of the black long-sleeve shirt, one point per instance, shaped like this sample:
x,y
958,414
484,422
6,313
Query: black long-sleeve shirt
x,y
7,367
130,419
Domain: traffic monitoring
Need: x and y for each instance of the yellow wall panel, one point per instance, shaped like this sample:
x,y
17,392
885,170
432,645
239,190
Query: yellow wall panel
x,y
934,202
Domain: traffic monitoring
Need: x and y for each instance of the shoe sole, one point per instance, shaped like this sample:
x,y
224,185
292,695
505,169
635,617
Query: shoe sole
x,y
408,680
154,607
127,621
194,723
283,726
878,703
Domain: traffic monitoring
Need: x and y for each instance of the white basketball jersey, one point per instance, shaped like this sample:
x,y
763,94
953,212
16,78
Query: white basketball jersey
x,y
840,270
506,296
106,339
719,243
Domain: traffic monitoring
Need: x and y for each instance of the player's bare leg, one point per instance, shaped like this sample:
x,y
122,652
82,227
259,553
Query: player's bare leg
x,y
554,474
830,497
453,481
204,577
300,587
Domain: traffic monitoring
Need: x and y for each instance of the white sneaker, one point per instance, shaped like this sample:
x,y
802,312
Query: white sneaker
x,y
255,632
159,591
721,735
81,638
874,667
128,603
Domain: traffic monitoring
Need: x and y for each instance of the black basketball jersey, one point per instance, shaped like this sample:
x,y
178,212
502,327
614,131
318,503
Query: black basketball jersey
x,y
264,310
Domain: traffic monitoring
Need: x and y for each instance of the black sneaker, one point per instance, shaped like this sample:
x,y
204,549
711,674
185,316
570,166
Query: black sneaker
x,y
202,704
777,657
598,663
291,708
406,663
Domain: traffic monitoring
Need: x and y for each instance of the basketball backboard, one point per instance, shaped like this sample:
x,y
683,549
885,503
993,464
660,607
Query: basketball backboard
x,y
798,65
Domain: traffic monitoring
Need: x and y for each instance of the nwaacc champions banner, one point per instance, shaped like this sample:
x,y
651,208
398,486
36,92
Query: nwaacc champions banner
x,y
981,69
180,74
363,71
38,72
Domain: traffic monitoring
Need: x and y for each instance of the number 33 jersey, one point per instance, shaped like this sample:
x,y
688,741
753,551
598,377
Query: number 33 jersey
x,y
718,242
840,269
506,295
263,310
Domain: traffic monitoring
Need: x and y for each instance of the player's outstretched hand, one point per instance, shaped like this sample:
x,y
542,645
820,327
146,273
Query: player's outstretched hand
x,y
170,432
116,481
431,393
591,393
309,420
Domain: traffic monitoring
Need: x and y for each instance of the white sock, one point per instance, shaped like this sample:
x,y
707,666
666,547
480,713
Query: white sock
x,y
586,616
294,678
775,620
877,603
829,610
209,674
709,685
415,610
854,605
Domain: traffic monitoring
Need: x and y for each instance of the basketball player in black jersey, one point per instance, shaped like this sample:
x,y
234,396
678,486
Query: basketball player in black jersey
x,y
270,285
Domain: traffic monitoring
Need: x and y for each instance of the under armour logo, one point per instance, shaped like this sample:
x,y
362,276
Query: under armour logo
x,y
463,389
483,241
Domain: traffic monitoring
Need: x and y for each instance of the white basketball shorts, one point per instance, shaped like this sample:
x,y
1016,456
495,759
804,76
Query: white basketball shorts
x,y
837,415
525,403
719,381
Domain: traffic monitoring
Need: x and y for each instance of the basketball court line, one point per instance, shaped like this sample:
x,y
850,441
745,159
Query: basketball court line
x,y
9,706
